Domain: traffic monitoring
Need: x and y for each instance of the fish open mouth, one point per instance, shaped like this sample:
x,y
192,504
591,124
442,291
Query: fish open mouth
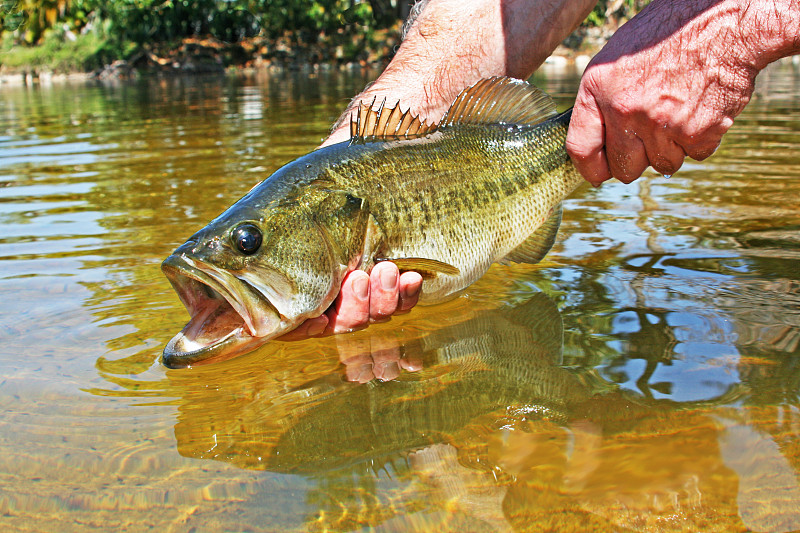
x,y
228,317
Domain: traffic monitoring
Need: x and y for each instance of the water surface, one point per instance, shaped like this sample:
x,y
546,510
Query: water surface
x,y
644,377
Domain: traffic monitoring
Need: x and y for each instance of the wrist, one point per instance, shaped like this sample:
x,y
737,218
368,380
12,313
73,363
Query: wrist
x,y
770,29
410,92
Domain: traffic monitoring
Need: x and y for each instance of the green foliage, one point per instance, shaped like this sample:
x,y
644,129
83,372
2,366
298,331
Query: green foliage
x,y
143,21
97,31
115,26
619,8
55,53
310,17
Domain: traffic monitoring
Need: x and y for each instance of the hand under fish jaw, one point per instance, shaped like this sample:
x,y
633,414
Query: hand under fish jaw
x,y
222,324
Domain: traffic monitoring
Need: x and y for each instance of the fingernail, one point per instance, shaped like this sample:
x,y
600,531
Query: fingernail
x,y
388,279
361,287
410,292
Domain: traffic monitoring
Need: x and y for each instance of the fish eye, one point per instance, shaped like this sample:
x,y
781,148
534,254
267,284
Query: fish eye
x,y
247,238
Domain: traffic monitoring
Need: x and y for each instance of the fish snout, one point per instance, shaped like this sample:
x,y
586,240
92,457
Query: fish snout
x,y
186,248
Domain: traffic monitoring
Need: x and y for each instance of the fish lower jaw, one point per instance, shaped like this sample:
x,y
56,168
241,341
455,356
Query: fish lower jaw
x,y
225,320
215,332
183,352
188,345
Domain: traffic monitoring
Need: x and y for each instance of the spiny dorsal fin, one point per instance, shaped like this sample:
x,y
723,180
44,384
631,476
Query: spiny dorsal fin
x,y
386,124
500,100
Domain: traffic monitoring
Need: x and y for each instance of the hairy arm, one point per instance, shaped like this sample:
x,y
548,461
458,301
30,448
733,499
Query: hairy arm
x,y
669,83
454,43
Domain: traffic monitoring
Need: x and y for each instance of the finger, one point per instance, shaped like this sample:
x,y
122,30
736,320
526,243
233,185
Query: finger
x,y
384,291
359,373
627,157
351,311
410,286
586,139
701,146
699,152
386,370
356,356
411,364
664,154
313,327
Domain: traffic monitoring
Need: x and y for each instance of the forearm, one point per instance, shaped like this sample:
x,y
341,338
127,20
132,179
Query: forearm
x,y
770,29
454,43
749,33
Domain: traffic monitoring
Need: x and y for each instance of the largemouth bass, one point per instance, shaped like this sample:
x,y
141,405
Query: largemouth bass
x,y
485,184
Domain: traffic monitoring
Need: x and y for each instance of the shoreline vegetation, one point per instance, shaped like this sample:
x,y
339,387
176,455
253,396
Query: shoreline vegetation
x,y
49,40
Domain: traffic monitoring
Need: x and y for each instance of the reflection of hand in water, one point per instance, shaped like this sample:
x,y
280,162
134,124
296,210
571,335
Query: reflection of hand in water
x,y
376,356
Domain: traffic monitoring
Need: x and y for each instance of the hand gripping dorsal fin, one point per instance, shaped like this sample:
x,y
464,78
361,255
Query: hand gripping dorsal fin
x,y
386,124
500,100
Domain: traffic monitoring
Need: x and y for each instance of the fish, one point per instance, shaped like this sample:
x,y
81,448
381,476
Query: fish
x,y
484,184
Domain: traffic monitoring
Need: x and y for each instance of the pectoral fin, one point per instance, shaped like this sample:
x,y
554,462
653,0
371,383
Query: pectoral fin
x,y
535,247
427,268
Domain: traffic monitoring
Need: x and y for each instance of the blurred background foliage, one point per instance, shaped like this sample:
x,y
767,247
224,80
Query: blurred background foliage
x,y
87,34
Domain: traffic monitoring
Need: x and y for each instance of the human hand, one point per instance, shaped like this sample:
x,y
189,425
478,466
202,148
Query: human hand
x,y
667,85
364,298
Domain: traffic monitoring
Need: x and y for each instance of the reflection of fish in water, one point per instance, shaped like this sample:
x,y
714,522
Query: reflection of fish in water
x,y
505,360
483,185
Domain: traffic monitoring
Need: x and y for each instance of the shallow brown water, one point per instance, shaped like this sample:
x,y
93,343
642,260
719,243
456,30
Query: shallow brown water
x,y
644,377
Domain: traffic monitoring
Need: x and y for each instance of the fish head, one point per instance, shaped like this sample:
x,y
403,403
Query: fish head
x,y
251,275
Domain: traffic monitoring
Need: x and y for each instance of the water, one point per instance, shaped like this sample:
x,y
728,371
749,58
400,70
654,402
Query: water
x,y
644,377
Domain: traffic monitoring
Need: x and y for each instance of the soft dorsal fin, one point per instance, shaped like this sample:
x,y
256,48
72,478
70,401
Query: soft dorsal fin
x,y
500,100
386,124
